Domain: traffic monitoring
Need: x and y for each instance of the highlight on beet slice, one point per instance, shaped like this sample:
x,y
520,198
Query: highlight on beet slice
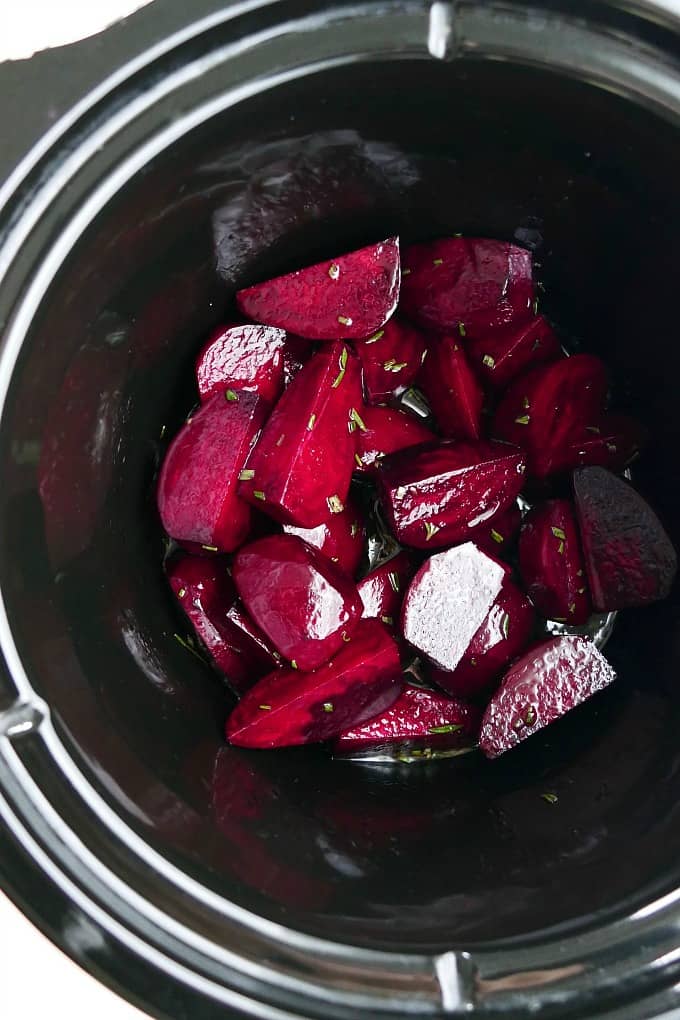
x,y
546,410
466,285
544,685
207,595
630,560
551,563
382,589
382,430
197,486
503,354
287,707
447,602
341,537
612,441
448,382
306,606
505,633
346,298
301,468
247,357
296,352
390,360
420,724
435,495
496,535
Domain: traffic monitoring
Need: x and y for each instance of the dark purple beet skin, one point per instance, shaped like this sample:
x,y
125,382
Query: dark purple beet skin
x,y
287,707
447,602
207,595
434,495
306,606
503,635
382,590
382,430
544,685
390,360
466,285
547,409
243,357
630,560
197,486
301,468
448,382
346,298
551,563
418,720
503,354
341,537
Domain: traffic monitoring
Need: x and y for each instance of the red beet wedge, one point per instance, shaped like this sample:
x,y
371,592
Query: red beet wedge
x,y
435,495
546,410
197,487
467,285
347,298
544,685
613,441
503,635
296,352
503,354
207,595
300,471
629,558
447,602
551,563
419,723
288,707
382,590
242,358
496,535
380,430
448,382
305,605
391,360
340,538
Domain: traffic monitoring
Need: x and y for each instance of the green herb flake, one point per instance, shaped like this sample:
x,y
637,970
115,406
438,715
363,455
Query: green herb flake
x,y
437,262
210,548
537,344
334,271
345,637
505,625
335,504
473,661
560,547
550,798
579,573
246,475
358,461
560,619
388,620
430,530
394,580
611,448
342,361
344,320
231,396
522,420
488,361
572,607
354,530
188,644
293,664
558,533
357,420
525,403
530,716
406,272
259,494
447,728
277,656
328,706
335,559
457,235
311,423
594,429
375,337
279,441
581,591
181,593
496,536
536,306
423,356
461,329
265,708
394,366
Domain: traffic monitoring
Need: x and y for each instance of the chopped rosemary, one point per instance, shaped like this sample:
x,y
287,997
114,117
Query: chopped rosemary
x,y
488,361
335,504
328,706
388,620
345,637
496,536
279,441
394,580
447,728
594,429
405,272
187,643
522,420
505,625
359,462
394,366
293,664
550,798
354,530
572,607
334,271
558,533
356,420
210,548
530,716
461,329
430,530
560,547
311,423
231,395
437,262
423,356
376,336
181,593
342,361
525,403
344,320
259,494
265,708
246,475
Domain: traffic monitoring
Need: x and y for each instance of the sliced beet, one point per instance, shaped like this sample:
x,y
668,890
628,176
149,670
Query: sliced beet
x,y
612,441
503,354
197,487
242,358
448,382
544,685
207,595
434,495
504,633
382,590
496,535
447,602
381,430
341,537
306,606
551,563
391,360
467,285
288,707
419,720
301,468
630,560
347,298
546,410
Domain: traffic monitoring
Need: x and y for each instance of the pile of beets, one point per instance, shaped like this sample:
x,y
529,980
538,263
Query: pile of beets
x,y
364,575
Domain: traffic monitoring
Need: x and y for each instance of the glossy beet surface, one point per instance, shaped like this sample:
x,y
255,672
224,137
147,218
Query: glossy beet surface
x,y
306,606
613,441
382,430
418,720
466,285
341,537
453,392
629,558
503,354
244,358
434,495
301,467
448,600
496,534
347,298
287,707
545,684
551,562
197,487
391,359
382,590
505,633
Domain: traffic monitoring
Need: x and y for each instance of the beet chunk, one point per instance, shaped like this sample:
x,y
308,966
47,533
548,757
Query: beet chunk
x,y
455,396
340,538
551,563
503,354
381,430
242,358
